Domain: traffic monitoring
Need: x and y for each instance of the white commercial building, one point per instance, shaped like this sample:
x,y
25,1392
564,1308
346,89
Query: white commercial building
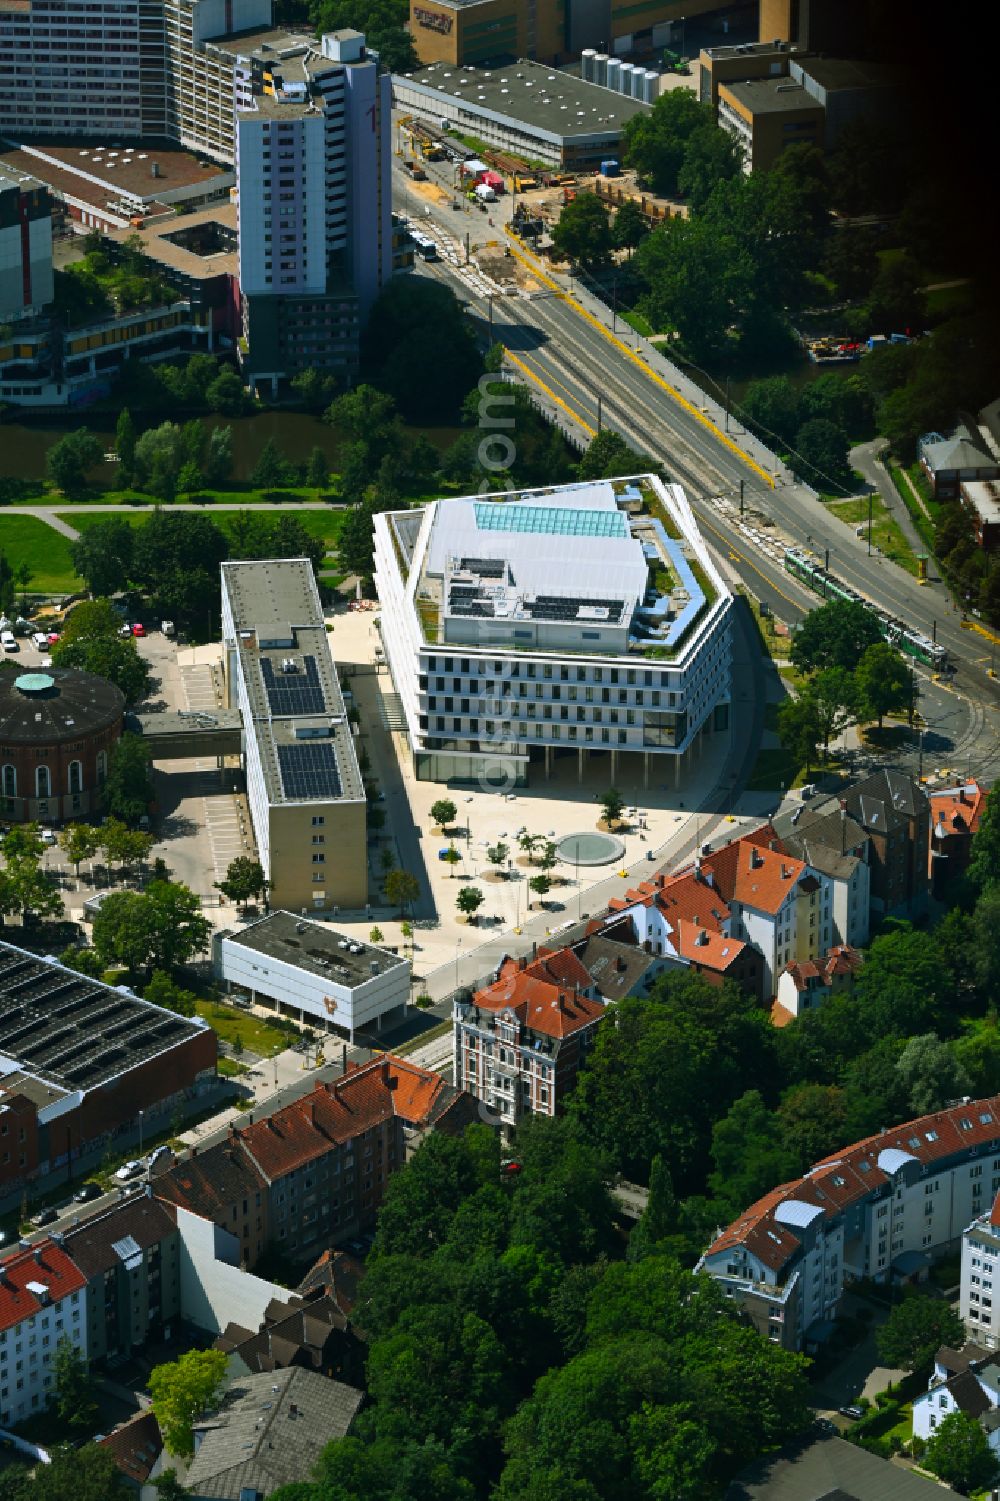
x,y
304,787
583,618
311,972
882,1208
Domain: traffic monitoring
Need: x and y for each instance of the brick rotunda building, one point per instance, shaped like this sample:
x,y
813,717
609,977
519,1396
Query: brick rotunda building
x,y
57,729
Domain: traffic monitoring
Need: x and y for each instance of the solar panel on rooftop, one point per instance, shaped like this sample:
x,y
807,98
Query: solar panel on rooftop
x,y
293,693
309,771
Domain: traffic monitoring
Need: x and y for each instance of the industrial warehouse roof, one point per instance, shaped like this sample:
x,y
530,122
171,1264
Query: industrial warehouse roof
x,y
314,947
141,172
46,708
551,103
73,1032
296,709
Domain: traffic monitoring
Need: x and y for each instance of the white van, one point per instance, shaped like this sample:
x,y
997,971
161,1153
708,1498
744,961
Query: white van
x,y
8,641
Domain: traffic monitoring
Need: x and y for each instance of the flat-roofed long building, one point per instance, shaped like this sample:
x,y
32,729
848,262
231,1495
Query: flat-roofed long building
x,y
79,1059
587,617
304,786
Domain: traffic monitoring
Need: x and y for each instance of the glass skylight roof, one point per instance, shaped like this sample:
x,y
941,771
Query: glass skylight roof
x,y
560,521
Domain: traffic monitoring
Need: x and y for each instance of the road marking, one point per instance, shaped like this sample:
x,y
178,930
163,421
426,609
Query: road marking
x,y
591,431
972,625
636,359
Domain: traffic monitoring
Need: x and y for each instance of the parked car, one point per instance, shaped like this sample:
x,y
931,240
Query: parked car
x,y
41,640
52,637
44,1217
129,1170
47,836
87,1192
138,629
852,1410
8,641
125,630
167,627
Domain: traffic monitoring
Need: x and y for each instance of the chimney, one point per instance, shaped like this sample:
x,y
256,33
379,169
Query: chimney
x,y
756,858
562,1000
154,169
293,1410
702,938
37,1252
621,964
772,844
194,1151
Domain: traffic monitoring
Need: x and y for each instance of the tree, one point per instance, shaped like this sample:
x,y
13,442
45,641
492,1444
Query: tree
x,y
128,790
160,990
452,858
376,935
227,394
771,407
749,1153
812,1120
915,1329
699,280
160,928
78,842
607,456
27,889
180,1390
86,1474
883,682
403,324
930,1073
850,260
245,880
843,400
832,694
820,453
102,555
800,730
711,155
984,864
630,227
444,813
217,464
659,1216
836,634
469,900
613,805
497,853
69,461
529,843
74,1392
356,543
896,304
401,888
176,560
169,1488
959,1453
125,443
541,885
271,469
113,657
583,232
655,144
85,961
318,469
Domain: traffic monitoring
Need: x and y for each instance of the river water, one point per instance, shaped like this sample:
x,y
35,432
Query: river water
x,y
23,445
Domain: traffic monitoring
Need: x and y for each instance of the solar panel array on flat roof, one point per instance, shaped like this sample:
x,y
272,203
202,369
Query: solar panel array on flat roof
x,y
293,693
309,771
558,521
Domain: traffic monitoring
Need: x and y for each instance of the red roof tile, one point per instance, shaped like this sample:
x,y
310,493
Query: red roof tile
x,y
852,1174
958,809
750,872
47,1265
136,1446
543,995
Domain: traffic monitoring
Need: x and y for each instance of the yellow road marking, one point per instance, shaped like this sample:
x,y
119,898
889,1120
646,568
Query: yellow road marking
x,y
973,625
550,393
623,348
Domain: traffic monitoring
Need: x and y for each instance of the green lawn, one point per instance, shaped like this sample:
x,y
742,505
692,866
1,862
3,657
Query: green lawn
x,y
323,524
25,539
919,517
886,533
256,1035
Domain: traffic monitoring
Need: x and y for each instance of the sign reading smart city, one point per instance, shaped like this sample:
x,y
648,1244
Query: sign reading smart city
x,y
432,20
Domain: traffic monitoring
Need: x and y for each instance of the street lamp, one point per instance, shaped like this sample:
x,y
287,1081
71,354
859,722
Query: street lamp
x,y
458,950
140,1132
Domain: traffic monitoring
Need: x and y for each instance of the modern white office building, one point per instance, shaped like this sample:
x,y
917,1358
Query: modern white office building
x,y
304,786
583,619
313,160
309,971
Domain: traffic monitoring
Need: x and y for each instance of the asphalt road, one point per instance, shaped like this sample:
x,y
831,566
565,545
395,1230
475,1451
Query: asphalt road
x,y
599,384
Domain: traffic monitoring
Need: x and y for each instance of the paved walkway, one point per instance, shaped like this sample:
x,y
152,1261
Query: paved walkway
x,y
867,459
52,514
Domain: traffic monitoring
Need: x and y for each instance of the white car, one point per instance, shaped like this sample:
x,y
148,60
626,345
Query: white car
x,y
47,836
8,641
41,640
125,630
129,1170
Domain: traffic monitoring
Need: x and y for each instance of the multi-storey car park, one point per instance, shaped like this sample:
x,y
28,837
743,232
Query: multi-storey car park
x,y
304,787
581,619
79,1059
881,1208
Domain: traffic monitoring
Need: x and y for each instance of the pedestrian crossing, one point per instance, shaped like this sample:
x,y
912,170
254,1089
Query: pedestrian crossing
x,y
391,712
